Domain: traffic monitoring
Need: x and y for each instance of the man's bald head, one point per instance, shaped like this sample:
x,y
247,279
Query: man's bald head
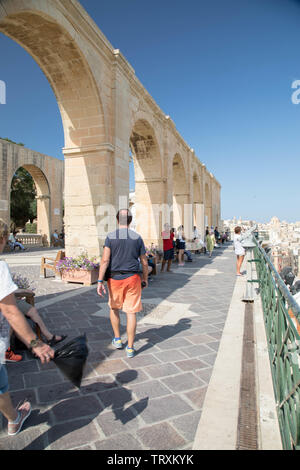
x,y
124,217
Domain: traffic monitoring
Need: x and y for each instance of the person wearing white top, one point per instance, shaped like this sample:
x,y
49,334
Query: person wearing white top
x,y
238,249
14,243
10,316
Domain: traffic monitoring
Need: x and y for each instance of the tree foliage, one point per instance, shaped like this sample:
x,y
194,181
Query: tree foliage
x,y
23,198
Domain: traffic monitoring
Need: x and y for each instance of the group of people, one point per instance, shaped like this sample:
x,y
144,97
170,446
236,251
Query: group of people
x,y
58,239
123,254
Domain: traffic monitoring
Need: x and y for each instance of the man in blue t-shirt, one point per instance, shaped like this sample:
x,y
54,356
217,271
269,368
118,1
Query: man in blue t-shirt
x,y
123,249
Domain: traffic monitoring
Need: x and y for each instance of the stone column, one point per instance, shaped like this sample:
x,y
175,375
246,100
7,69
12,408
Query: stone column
x,y
89,198
150,209
43,217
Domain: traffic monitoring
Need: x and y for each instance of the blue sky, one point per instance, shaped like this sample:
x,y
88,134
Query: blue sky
x,y
222,70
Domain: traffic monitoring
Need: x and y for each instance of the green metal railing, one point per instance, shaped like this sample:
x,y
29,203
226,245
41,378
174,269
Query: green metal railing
x,y
283,344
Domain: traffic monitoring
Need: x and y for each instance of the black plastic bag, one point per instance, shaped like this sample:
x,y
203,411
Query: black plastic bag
x,y
71,359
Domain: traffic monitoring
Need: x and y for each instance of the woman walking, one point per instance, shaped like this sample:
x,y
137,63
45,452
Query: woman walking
x,y
238,249
210,242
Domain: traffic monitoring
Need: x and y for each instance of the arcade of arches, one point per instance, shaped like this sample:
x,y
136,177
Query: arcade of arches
x,y
47,174
105,110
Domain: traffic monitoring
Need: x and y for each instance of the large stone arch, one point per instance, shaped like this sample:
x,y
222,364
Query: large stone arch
x,y
149,185
45,32
103,106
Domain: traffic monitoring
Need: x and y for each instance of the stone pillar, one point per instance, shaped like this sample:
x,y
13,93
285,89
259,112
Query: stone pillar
x,y
150,209
179,202
43,217
199,219
89,198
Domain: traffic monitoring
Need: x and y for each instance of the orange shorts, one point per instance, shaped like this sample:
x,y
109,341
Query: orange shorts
x,y
125,294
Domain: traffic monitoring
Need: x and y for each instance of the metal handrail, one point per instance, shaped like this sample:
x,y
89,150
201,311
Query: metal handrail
x,y
293,305
283,339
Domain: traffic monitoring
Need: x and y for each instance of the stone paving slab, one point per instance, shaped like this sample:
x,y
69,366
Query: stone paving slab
x,y
152,401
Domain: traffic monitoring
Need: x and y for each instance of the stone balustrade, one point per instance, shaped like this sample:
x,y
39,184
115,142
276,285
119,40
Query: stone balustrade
x,y
30,239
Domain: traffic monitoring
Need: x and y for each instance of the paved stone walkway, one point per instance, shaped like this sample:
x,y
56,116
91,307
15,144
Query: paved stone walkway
x,y
152,401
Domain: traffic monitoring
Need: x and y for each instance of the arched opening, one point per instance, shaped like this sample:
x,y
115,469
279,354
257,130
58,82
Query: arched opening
x,y
53,43
30,199
180,192
146,171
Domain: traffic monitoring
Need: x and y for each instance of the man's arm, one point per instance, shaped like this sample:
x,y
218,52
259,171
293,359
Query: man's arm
x,y
144,262
18,323
104,263
103,267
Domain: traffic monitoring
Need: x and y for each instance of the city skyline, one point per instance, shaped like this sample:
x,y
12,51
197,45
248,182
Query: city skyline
x,y
228,92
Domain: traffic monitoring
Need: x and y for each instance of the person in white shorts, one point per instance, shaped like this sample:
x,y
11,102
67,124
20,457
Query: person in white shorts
x,y
238,249
10,316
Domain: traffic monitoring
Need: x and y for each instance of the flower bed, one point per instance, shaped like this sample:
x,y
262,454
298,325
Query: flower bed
x,y
81,270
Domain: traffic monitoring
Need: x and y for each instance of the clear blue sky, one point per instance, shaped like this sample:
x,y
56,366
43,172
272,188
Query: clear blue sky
x,y
222,70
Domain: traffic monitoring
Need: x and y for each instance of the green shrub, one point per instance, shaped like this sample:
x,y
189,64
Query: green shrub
x,y
31,228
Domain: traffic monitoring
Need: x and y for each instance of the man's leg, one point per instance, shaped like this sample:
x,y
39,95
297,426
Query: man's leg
x,y
7,408
34,315
163,265
131,328
169,265
115,321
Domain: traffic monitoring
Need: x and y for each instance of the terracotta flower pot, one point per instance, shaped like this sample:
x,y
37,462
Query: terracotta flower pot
x,y
81,276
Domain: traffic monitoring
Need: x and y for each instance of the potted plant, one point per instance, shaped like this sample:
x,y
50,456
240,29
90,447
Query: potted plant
x,y
81,269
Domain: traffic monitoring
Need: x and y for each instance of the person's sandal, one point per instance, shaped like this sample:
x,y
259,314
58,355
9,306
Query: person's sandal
x,y
53,341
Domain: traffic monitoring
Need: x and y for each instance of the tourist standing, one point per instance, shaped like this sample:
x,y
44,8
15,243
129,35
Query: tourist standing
x,y
180,245
168,247
238,249
10,316
120,262
217,234
210,242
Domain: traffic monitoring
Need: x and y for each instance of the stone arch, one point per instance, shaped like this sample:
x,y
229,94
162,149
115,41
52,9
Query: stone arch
x,y
149,185
48,175
181,193
63,63
44,31
43,196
